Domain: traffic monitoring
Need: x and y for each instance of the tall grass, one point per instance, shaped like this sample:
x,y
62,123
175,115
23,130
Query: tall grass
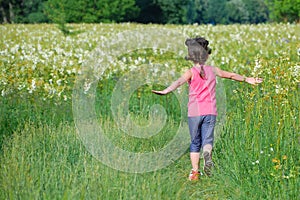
x,y
42,161
50,162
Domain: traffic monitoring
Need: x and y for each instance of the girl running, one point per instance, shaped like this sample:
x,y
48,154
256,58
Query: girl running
x,y
202,109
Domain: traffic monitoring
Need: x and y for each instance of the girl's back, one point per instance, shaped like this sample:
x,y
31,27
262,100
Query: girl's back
x,y
202,92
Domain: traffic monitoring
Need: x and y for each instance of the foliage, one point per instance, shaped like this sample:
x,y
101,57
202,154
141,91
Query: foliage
x,y
237,11
33,11
19,11
285,10
172,10
257,10
150,11
92,11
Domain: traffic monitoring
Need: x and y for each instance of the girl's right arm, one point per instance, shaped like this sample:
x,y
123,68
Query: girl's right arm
x,y
184,78
237,77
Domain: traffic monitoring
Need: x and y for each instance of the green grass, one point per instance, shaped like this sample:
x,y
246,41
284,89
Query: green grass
x,y
256,153
50,162
47,162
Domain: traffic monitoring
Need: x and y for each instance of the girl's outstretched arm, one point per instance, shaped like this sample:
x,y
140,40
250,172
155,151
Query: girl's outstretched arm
x,y
237,77
184,78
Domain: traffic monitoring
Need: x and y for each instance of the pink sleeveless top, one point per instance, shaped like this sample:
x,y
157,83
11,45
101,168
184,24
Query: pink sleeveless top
x,y
202,93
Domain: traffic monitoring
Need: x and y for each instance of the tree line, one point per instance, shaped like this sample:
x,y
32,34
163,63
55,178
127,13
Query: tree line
x,y
149,11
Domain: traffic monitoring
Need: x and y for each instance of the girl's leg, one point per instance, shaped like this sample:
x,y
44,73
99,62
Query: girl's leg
x,y
195,160
207,156
208,139
208,148
194,124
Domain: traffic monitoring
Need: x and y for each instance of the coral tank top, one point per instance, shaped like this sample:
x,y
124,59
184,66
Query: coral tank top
x,y
202,93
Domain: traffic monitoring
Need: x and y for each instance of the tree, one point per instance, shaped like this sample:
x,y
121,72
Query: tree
x,y
3,9
257,10
55,11
173,11
33,12
216,11
150,12
284,10
236,12
22,11
196,11
116,10
9,10
69,11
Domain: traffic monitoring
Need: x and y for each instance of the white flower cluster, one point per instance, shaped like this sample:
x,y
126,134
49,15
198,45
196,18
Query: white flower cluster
x,y
39,59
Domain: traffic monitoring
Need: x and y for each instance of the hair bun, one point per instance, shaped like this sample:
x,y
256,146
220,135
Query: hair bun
x,y
200,41
189,42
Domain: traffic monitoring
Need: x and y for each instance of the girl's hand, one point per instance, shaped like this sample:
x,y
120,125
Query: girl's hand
x,y
159,92
253,81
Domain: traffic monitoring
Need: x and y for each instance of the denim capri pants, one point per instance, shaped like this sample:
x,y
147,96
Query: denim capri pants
x,y
201,131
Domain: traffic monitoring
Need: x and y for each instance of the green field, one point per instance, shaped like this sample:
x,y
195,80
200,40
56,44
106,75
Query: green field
x,y
43,155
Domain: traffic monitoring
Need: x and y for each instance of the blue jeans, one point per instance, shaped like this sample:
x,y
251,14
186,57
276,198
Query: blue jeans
x,y
201,131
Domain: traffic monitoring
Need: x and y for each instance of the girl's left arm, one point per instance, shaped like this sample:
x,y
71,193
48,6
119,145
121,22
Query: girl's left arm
x,y
184,78
237,77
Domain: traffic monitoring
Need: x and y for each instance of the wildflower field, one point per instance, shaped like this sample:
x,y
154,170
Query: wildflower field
x,y
50,83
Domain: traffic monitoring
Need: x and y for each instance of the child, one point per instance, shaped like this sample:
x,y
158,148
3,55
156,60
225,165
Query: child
x,y
202,109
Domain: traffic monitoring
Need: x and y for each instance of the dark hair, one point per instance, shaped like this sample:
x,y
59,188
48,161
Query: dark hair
x,y
204,43
198,51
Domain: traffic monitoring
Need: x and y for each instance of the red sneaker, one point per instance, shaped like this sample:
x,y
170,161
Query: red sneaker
x,y
194,175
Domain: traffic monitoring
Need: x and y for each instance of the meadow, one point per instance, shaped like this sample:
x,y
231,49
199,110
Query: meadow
x,y
50,83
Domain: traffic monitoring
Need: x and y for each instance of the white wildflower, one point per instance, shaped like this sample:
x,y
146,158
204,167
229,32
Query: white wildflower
x,y
136,62
33,85
296,70
257,65
87,87
58,82
277,89
21,86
